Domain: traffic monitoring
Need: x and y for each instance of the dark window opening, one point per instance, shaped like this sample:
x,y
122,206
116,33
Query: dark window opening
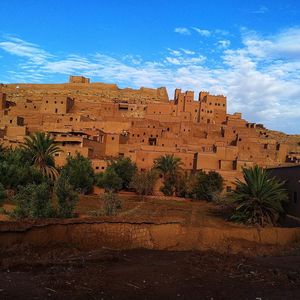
x,y
152,141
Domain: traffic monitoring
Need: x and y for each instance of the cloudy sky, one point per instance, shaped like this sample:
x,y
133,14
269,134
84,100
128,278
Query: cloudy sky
x,y
246,50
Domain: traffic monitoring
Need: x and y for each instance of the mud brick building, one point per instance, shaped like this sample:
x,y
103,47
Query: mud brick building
x,y
102,121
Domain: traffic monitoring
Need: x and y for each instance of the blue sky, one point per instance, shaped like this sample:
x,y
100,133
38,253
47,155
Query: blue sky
x,y
247,50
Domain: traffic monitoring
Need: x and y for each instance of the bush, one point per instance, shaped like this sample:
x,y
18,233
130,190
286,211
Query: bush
x,y
185,185
143,182
168,187
16,170
109,180
111,204
208,185
124,168
259,198
80,173
66,197
2,194
33,201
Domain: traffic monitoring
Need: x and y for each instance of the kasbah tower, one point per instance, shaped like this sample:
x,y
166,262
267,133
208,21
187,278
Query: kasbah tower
x,y
102,122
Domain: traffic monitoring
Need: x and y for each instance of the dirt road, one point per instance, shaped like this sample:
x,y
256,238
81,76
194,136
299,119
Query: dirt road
x,y
145,274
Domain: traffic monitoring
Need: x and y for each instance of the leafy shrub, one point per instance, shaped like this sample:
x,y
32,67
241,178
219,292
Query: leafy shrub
x,y
16,170
2,194
109,180
143,182
80,173
66,197
111,203
168,187
259,198
33,201
208,185
124,168
185,185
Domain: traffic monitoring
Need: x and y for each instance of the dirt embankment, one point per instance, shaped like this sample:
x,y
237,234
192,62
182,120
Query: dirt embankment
x,y
119,233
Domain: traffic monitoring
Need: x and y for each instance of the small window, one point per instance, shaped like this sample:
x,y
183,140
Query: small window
x,y
112,138
97,168
228,189
102,168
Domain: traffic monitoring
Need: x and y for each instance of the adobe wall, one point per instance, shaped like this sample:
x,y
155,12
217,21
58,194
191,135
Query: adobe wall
x,y
116,234
87,92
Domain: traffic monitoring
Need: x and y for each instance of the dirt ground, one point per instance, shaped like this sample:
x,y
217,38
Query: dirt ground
x,y
68,273
144,274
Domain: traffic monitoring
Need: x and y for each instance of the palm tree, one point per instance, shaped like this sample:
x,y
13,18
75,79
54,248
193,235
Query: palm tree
x,y
169,167
42,149
168,164
259,198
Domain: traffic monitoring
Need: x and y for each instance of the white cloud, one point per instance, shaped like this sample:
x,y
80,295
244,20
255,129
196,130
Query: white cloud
x,y
24,49
261,78
261,10
182,30
187,51
202,32
224,43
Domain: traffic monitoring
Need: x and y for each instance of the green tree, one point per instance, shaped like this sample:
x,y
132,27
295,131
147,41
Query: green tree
x,y
111,203
259,198
124,168
33,201
169,167
79,172
66,197
42,148
16,170
143,182
208,184
109,180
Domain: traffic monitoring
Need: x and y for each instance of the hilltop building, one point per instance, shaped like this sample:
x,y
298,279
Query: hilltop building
x,y
102,121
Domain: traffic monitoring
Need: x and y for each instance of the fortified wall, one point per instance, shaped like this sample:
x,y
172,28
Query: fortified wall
x,y
102,121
